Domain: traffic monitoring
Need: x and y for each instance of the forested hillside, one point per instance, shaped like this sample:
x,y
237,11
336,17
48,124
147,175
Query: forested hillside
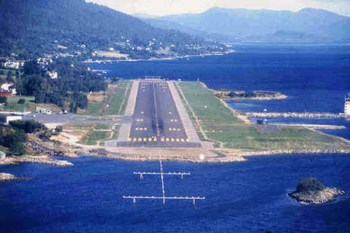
x,y
30,27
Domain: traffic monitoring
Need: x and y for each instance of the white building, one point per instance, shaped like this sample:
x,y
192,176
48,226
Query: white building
x,y
347,106
6,119
52,74
43,110
13,64
8,87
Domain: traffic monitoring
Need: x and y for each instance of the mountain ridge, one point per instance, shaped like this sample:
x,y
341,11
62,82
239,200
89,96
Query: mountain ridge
x,y
262,25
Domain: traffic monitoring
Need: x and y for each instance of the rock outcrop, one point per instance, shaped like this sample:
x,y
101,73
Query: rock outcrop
x,y
312,191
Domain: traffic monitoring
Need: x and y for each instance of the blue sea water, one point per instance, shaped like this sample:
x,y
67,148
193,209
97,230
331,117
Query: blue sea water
x,y
249,196
240,197
316,78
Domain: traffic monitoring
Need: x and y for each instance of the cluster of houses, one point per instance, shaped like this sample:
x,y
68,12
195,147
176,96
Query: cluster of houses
x,y
13,64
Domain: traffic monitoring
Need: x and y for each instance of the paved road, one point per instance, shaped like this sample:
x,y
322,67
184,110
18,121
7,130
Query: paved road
x,y
156,121
73,119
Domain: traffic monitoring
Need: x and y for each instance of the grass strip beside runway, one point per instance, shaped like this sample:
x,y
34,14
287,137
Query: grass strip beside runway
x,y
220,125
114,102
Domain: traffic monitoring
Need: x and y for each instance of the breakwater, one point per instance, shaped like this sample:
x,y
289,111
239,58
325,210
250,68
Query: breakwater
x,y
314,115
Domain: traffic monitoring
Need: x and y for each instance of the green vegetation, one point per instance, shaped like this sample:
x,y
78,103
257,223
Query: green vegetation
x,y
94,108
309,184
116,99
14,104
80,28
67,91
221,126
99,133
13,139
28,126
119,100
94,136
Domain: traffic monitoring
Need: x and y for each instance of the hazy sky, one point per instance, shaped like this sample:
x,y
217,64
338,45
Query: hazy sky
x,y
166,7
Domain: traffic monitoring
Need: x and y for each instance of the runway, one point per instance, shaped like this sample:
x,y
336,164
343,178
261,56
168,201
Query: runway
x,y
156,121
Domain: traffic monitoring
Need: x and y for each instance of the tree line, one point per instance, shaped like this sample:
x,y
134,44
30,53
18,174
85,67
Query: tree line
x,y
68,91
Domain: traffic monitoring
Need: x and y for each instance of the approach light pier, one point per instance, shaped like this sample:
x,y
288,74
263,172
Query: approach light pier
x,y
163,197
193,198
182,174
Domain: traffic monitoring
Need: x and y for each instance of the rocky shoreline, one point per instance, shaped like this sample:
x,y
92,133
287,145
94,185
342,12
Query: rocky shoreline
x,y
44,159
10,177
317,197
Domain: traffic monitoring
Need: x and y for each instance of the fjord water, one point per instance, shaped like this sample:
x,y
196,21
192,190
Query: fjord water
x,y
249,196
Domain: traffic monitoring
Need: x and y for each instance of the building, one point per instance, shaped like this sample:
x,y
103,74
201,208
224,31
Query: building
x,y
347,106
2,155
43,111
13,64
52,74
7,89
6,119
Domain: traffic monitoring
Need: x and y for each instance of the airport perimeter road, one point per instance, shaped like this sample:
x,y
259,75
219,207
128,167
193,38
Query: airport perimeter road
x,y
156,121
72,119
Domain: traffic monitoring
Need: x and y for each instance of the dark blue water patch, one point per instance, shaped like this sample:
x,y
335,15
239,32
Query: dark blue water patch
x,y
240,197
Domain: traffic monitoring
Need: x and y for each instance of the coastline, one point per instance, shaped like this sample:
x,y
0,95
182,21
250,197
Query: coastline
x,y
43,159
171,58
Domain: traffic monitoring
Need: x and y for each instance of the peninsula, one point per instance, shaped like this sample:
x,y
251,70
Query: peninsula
x,y
146,119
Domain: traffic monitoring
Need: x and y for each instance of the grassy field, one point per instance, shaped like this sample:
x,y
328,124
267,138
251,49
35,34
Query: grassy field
x,y
96,134
114,103
119,100
12,103
221,126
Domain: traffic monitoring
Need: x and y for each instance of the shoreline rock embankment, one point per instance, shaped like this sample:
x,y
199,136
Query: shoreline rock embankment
x,y
312,191
316,115
41,149
232,95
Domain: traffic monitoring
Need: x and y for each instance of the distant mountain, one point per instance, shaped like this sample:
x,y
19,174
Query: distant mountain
x,y
306,26
30,27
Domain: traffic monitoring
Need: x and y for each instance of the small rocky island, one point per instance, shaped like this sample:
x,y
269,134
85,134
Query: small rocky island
x,y
231,95
312,191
